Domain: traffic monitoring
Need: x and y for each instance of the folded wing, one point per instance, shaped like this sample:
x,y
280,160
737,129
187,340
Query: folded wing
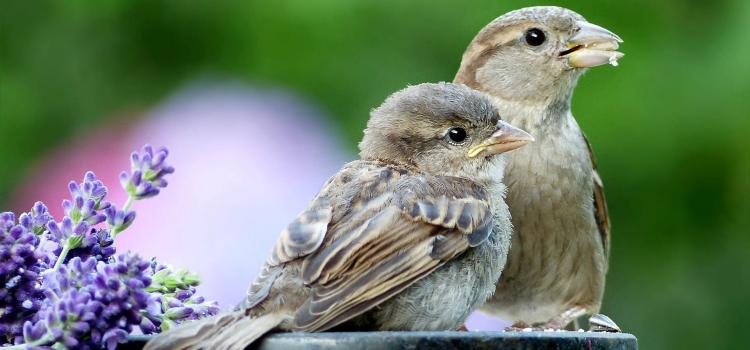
x,y
385,228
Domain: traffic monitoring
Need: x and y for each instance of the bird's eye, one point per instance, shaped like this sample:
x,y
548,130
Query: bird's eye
x,y
535,37
457,135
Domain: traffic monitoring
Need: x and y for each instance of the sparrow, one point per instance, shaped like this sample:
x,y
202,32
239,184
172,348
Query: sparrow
x,y
528,61
412,236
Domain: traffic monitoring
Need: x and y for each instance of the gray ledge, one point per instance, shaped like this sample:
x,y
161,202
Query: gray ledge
x,y
437,340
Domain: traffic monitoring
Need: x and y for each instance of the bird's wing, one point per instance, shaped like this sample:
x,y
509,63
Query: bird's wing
x,y
300,238
390,227
601,214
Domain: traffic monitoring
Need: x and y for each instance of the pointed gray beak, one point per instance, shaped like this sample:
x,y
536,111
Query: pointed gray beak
x,y
505,138
592,46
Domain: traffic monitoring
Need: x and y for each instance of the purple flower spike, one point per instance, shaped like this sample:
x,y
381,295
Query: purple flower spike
x,y
118,220
147,326
178,312
68,232
178,302
93,304
87,199
92,188
61,285
97,243
36,220
20,270
148,169
32,331
7,220
114,337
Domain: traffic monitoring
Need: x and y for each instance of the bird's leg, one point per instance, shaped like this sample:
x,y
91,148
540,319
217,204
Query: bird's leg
x,y
565,318
575,325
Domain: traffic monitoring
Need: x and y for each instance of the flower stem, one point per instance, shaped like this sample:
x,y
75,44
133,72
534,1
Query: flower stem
x,y
115,232
128,203
125,209
63,254
41,341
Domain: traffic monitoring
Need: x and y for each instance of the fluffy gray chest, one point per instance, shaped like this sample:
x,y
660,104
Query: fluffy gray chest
x,y
551,181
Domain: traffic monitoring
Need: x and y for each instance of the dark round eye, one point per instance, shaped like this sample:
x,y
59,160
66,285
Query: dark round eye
x,y
535,37
457,135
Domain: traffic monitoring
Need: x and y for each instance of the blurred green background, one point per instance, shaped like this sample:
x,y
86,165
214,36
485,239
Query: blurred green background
x,y
671,125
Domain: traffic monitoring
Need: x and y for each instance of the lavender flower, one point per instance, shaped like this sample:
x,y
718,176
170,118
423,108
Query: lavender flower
x,y
65,241
89,299
68,231
81,212
147,173
178,300
20,268
92,304
87,199
36,220
118,220
98,244
183,305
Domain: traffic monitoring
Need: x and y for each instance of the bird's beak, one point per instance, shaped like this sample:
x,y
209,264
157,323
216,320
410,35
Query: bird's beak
x,y
506,138
592,46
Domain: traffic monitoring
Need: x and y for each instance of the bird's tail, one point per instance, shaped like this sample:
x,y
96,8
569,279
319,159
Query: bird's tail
x,y
228,331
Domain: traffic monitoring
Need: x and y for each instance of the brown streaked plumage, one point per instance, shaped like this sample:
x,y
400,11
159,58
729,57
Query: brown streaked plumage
x,y
384,237
529,61
601,213
411,237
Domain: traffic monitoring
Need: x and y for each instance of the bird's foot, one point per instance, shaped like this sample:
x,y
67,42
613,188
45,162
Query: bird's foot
x,y
602,323
521,326
565,318
462,328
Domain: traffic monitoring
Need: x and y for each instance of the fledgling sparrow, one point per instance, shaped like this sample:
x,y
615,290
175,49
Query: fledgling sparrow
x,y
528,61
413,236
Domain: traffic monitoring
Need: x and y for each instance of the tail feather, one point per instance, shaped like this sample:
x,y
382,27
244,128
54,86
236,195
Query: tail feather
x,y
244,332
231,330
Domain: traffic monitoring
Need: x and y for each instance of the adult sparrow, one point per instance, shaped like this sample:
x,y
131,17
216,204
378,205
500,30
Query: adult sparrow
x,y
528,61
413,236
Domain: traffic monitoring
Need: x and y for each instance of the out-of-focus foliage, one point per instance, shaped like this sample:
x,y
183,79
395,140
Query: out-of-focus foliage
x,y
671,125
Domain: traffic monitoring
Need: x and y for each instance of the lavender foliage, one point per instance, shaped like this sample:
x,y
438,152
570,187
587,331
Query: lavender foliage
x,y
179,303
62,286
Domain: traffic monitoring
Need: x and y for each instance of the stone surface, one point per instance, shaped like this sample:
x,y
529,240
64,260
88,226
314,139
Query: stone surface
x,y
437,340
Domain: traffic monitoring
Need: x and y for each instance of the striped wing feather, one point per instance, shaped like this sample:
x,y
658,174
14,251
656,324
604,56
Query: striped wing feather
x,y
385,228
396,232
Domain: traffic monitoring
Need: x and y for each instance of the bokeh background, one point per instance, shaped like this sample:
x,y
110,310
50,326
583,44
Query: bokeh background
x,y
260,101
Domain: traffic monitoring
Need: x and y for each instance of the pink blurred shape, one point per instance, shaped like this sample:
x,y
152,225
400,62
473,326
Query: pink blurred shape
x,y
247,162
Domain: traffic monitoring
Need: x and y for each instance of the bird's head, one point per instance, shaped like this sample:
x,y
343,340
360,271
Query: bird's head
x,y
442,129
535,53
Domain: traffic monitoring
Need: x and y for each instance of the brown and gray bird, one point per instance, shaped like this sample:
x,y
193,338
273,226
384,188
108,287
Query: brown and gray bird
x,y
411,237
528,61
